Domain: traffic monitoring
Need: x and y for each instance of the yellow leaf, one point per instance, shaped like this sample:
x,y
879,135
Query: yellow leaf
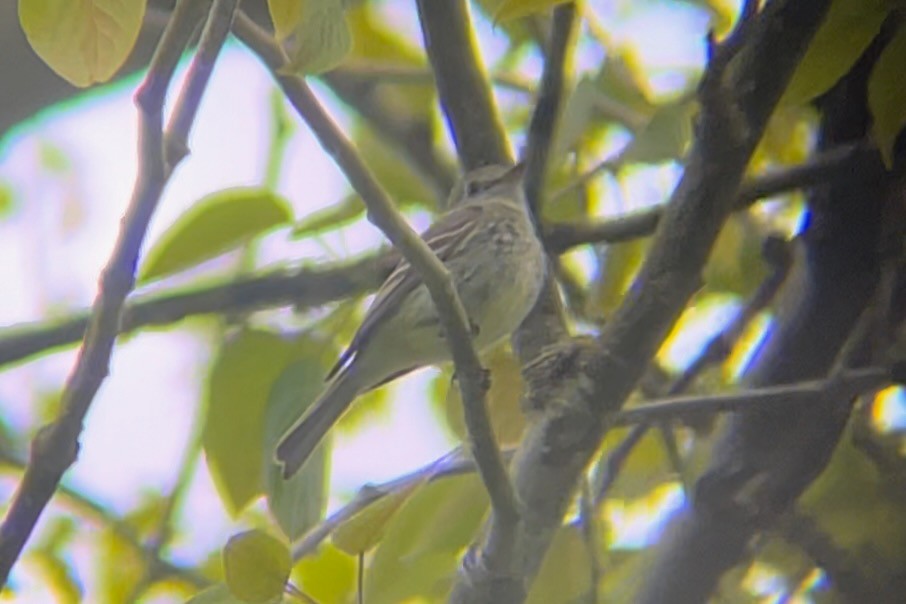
x,y
887,95
85,41
502,400
321,39
286,15
364,529
565,575
256,566
513,9
848,28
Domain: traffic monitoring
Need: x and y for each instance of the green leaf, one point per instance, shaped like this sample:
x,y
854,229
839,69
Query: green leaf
x,y
217,594
239,385
848,29
327,576
665,136
256,566
84,42
513,9
418,555
286,15
887,95
335,216
566,572
58,576
216,224
321,38
297,503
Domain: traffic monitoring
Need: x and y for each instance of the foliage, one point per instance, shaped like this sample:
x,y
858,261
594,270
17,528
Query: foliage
x,y
621,139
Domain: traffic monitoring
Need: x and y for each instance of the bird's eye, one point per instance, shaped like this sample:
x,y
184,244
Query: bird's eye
x,y
475,187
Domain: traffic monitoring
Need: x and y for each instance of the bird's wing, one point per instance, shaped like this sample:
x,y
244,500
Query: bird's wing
x,y
444,237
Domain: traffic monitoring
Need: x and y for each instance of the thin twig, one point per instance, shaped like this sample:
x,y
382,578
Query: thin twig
x,y
311,287
437,279
55,447
841,385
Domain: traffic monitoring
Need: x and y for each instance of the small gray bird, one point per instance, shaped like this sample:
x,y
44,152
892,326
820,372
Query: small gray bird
x,y
488,243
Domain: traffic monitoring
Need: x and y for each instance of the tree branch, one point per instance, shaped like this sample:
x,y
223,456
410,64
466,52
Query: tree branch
x,y
55,446
435,276
586,382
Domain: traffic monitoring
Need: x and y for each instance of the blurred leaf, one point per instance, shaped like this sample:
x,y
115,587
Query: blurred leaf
x,y
338,215
7,199
887,95
622,79
215,224
786,140
503,398
418,555
321,38
327,576
735,265
513,9
286,16
665,137
256,566
58,576
297,503
614,276
848,493
646,467
722,12
577,114
364,530
218,594
239,385
565,574
53,158
403,183
119,565
848,28
84,42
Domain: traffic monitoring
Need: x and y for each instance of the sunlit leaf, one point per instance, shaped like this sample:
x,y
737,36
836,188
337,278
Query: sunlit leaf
x,y
847,30
329,575
665,136
887,95
418,555
735,265
566,572
513,9
646,466
621,262
238,388
57,575
217,594
286,16
120,566
297,503
216,224
256,566
503,398
364,530
84,42
321,39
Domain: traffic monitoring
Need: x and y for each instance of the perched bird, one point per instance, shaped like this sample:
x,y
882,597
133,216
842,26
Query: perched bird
x,y
488,243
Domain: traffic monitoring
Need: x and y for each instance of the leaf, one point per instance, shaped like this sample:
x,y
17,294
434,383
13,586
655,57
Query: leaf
x,y
513,9
848,29
418,555
887,96
238,387
58,576
286,16
327,576
7,199
503,398
566,572
256,566
321,38
335,216
84,42
665,136
215,224
297,503
364,529
217,594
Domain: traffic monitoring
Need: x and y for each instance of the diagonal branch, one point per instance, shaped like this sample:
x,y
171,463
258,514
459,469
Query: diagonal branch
x,y
437,279
55,447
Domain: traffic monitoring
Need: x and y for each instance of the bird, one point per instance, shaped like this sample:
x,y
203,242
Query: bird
x,y
488,243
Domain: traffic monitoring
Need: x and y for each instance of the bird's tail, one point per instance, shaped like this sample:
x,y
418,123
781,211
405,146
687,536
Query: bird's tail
x,y
301,439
